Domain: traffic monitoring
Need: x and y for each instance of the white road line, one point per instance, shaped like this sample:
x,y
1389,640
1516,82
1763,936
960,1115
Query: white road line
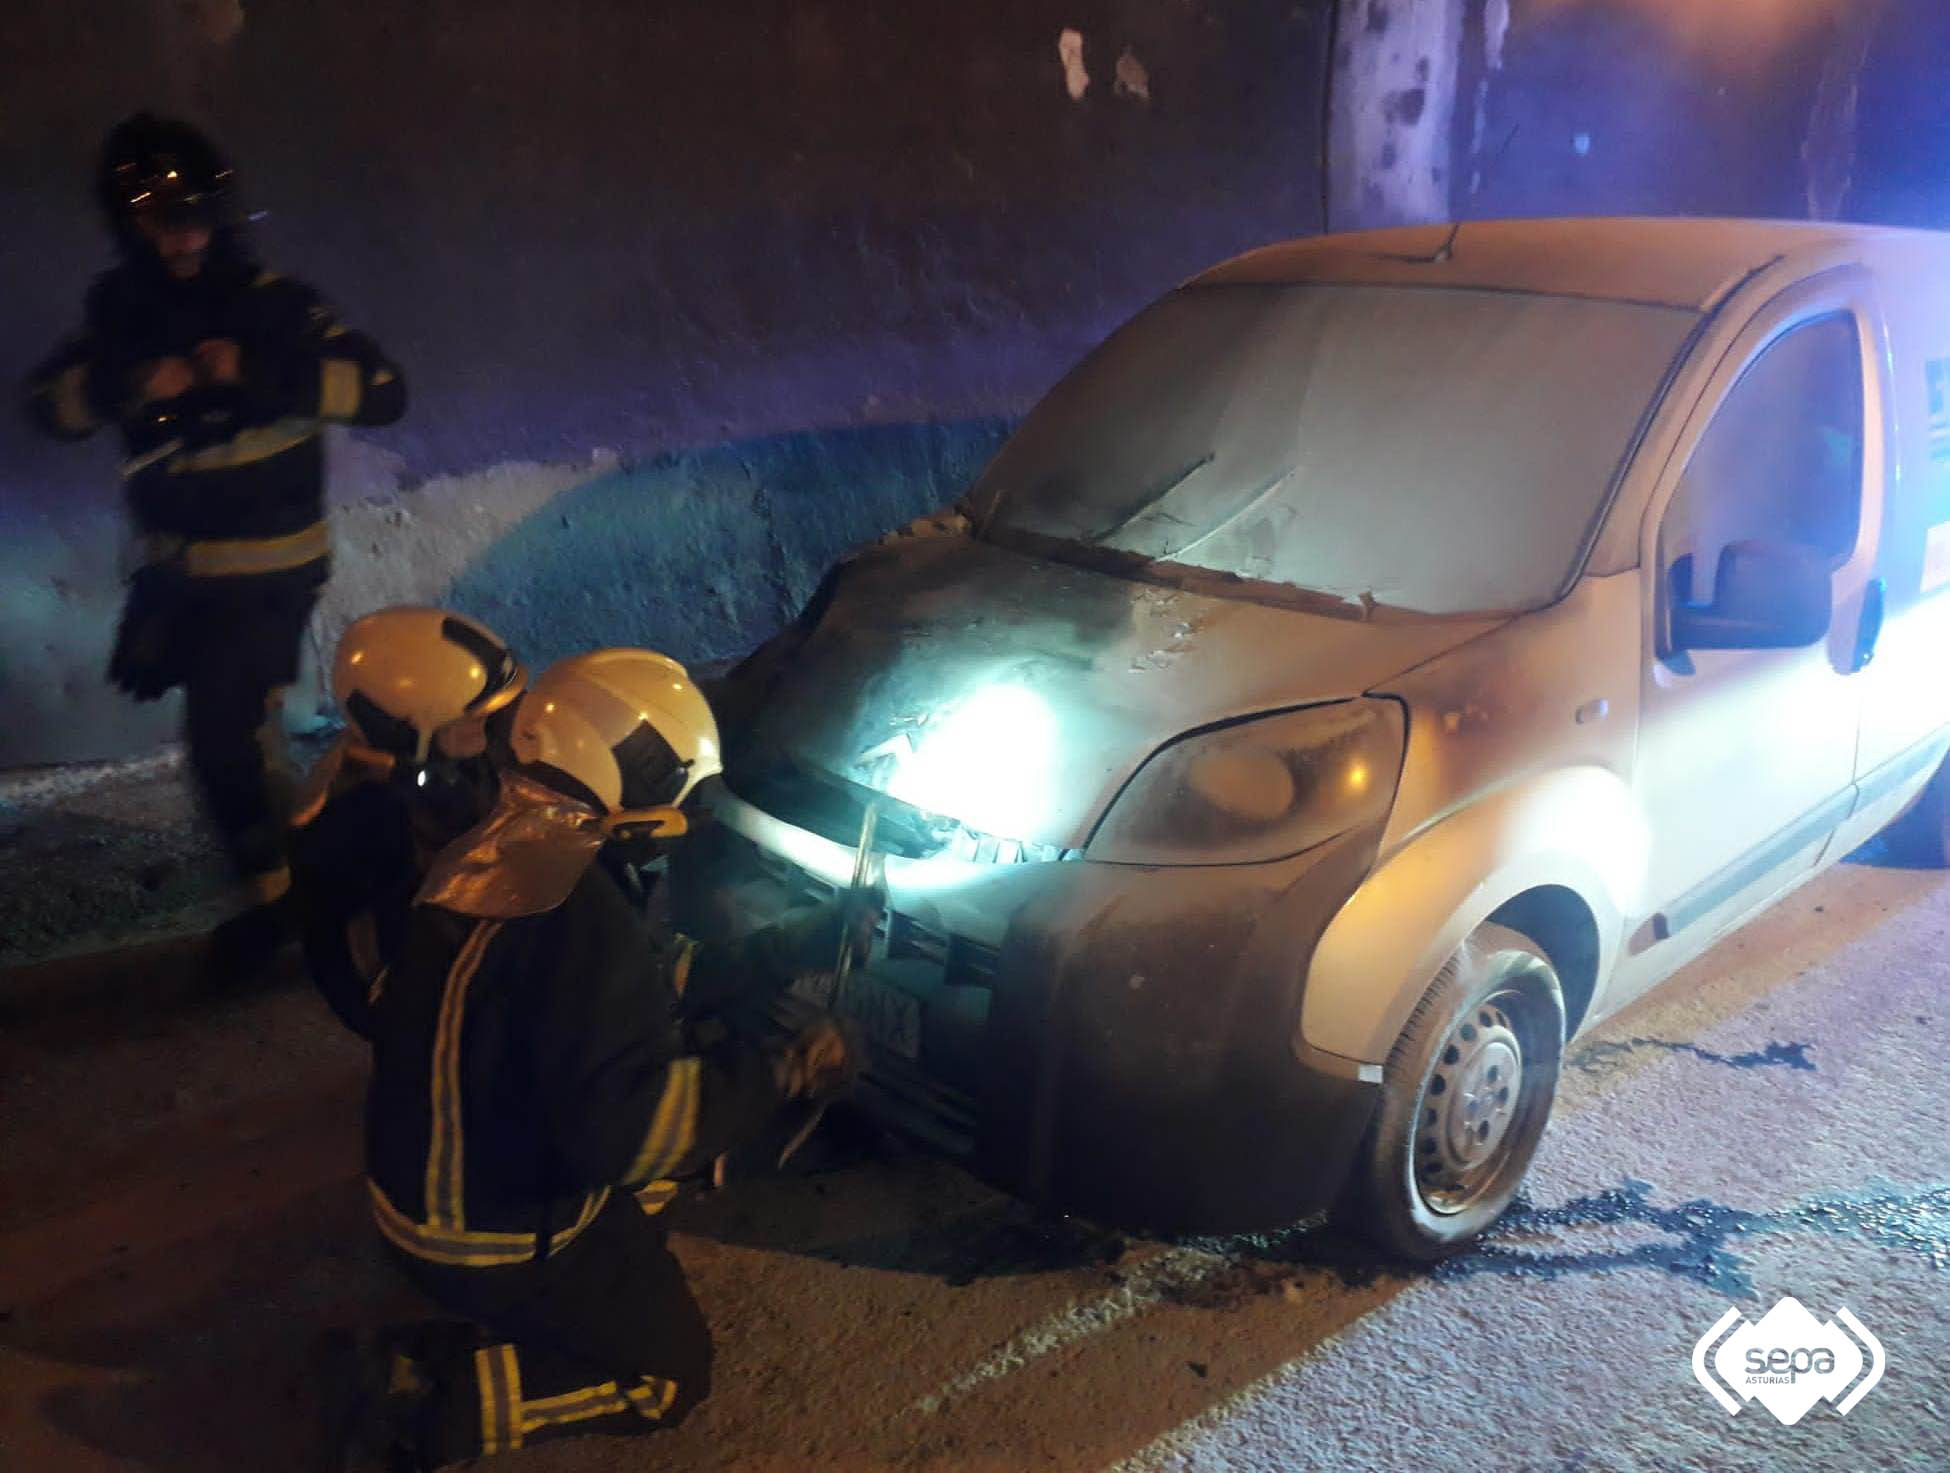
x,y
1175,1270
1168,1447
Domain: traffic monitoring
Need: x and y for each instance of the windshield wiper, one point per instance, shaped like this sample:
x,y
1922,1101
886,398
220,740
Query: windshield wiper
x,y
1190,578
1255,499
1152,498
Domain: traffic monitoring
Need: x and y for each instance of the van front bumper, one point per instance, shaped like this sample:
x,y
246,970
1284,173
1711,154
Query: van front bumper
x,y
1115,1041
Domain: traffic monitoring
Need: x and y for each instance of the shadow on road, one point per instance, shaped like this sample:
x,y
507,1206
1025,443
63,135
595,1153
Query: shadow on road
x,y
204,1341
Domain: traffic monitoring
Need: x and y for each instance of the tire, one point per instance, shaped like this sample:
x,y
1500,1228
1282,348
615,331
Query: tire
x,y
1451,1141
1920,834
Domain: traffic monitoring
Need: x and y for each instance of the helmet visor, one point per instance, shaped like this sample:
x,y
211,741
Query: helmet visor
x,y
652,773
169,196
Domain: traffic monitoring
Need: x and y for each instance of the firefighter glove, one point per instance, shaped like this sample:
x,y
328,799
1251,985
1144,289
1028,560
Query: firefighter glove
x,y
821,1063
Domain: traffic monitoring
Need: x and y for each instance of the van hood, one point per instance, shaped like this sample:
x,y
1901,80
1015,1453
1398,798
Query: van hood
x,y
1016,696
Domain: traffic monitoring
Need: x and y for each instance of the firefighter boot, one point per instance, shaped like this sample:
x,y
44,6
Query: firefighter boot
x,y
366,1394
240,950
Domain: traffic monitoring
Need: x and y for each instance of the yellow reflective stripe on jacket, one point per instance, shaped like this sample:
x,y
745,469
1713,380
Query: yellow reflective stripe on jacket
x,y
246,447
148,458
67,394
680,971
469,1247
499,1379
339,388
605,1400
233,557
543,1408
673,1128
446,1164
506,1418
268,886
652,1397
654,1196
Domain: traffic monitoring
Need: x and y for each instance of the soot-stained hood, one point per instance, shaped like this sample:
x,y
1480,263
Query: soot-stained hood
x,y
1017,695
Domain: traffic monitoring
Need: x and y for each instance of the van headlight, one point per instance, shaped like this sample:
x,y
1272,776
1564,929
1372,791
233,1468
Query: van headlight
x,y
1259,790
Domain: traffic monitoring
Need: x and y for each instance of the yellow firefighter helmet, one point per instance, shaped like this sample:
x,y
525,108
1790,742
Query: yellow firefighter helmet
x,y
407,677
623,730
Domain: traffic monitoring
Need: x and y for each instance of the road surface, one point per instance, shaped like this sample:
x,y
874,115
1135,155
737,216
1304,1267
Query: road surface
x,y
180,1210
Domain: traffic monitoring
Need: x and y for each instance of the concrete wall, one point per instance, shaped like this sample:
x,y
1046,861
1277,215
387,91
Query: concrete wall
x,y
692,295
1786,108
1744,107
689,295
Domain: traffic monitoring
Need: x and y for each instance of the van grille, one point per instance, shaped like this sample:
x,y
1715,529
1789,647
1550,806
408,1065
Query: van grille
x,y
906,1094
964,962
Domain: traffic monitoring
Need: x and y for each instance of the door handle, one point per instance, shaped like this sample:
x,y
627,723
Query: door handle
x,y
1869,630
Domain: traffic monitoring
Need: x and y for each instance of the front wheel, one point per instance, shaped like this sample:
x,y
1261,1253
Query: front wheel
x,y
1466,1092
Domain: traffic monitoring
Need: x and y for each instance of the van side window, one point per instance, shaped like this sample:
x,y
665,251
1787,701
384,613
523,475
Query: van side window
x,y
1781,460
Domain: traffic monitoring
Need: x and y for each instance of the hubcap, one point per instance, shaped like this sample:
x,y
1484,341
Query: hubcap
x,y
1463,1135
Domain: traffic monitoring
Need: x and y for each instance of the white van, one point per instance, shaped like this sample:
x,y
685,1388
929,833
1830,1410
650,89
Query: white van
x,y
1385,657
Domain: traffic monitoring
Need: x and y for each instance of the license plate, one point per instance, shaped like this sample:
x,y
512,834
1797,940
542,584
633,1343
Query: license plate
x,y
815,988
887,1015
890,1017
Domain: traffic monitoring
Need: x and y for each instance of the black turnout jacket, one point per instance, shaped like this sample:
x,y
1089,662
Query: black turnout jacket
x,y
525,1069
222,462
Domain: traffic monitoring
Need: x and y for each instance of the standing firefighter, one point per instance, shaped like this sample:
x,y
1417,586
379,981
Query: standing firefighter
x,y
535,1095
219,376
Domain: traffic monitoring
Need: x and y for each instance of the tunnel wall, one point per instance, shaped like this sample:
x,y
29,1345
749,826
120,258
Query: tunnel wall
x,y
1469,109
687,296
691,295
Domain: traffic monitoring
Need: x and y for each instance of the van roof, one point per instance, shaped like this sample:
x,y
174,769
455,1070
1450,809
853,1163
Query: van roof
x,y
1678,262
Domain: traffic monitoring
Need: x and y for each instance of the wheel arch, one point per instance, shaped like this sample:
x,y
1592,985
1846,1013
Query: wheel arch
x,y
1559,856
1560,921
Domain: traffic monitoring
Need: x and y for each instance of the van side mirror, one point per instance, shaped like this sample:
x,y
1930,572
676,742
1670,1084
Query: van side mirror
x,y
1766,596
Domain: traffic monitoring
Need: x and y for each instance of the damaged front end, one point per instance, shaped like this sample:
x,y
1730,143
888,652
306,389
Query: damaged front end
x,y
1107,1039
1114,819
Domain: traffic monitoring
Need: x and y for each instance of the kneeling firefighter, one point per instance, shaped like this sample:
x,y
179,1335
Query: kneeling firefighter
x,y
534,1098
426,696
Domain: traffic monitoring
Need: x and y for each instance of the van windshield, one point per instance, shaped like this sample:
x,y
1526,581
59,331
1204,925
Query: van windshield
x,y
1434,450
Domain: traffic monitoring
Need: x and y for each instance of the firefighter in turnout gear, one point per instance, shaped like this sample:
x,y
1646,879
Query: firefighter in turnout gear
x,y
426,696
536,1095
219,377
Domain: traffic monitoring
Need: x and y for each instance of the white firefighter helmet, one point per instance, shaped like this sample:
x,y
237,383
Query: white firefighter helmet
x,y
407,676
623,729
